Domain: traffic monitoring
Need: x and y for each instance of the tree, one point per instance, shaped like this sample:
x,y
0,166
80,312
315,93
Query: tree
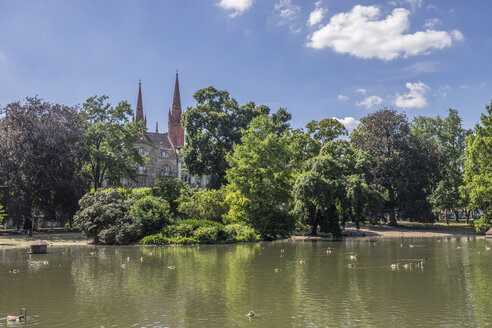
x,y
204,204
103,216
171,190
334,187
109,139
2,213
214,126
41,160
150,215
403,166
449,137
478,170
260,178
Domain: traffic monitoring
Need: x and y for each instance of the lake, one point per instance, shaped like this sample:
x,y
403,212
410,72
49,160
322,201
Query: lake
x,y
217,285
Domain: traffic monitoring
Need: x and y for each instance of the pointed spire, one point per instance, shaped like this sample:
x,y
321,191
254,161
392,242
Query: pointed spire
x,y
139,115
156,127
176,98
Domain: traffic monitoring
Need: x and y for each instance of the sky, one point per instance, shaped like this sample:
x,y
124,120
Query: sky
x,y
319,59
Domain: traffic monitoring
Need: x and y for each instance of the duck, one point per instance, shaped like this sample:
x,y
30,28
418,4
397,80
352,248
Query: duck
x,y
411,246
141,259
353,257
278,270
407,266
487,248
351,266
128,258
171,267
17,318
328,251
46,262
251,314
123,266
302,261
394,266
14,270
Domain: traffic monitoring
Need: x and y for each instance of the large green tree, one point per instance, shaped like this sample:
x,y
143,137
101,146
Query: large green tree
x,y
448,135
109,139
214,126
260,179
478,170
404,167
41,160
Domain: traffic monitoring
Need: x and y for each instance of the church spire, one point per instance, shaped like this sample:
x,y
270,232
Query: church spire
x,y
139,115
156,127
176,98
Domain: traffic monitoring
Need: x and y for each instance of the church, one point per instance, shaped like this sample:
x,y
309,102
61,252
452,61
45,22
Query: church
x,y
162,149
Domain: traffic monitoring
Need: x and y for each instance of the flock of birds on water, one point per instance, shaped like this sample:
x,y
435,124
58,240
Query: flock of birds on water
x,y
395,267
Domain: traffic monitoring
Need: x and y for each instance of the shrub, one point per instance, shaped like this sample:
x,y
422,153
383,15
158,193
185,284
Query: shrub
x,y
206,235
240,233
150,214
204,204
103,217
482,224
157,239
171,190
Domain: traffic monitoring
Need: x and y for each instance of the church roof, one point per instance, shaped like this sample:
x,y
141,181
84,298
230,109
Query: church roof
x,y
158,139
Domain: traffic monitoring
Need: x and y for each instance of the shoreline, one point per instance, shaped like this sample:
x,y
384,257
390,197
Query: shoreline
x,y
380,232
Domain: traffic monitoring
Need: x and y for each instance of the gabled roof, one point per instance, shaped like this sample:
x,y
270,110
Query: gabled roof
x,y
489,232
157,139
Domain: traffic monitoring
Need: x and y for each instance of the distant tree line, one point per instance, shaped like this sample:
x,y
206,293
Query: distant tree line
x,y
264,174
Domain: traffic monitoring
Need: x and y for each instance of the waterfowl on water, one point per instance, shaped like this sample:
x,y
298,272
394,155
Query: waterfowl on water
x,y
411,245
171,267
328,251
302,261
123,266
278,270
353,257
17,318
14,270
128,258
395,266
351,266
141,259
251,314
487,248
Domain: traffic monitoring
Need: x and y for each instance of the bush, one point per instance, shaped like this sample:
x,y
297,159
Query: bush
x,y
204,204
482,224
103,217
157,239
171,190
150,214
206,235
240,233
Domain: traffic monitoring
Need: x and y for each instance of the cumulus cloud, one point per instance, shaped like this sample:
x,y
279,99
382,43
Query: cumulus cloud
x,y
316,16
348,122
361,90
415,98
239,6
370,102
343,98
361,32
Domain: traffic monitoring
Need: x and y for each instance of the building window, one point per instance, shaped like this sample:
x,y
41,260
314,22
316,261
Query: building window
x,y
141,151
164,154
141,170
166,170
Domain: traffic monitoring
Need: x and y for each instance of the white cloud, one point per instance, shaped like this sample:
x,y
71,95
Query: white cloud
x,y
239,6
432,22
370,101
424,67
362,90
348,122
464,86
360,33
457,35
286,9
415,98
414,3
317,15
343,98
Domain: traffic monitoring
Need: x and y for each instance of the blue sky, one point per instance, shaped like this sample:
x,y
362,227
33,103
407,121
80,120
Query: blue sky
x,y
319,59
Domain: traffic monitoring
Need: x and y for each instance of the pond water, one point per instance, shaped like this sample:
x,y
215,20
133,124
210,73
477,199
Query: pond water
x,y
217,285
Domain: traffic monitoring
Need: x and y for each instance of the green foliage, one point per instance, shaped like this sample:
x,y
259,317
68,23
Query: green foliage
x,y
404,166
204,204
214,126
157,239
478,170
109,140
103,217
2,213
259,180
150,214
207,235
171,190
240,233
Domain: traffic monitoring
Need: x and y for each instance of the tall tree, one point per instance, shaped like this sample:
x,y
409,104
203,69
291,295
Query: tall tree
x,y
260,178
214,126
449,137
403,166
109,139
41,159
478,170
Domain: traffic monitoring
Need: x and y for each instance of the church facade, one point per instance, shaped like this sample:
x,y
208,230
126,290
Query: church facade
x,y
162,149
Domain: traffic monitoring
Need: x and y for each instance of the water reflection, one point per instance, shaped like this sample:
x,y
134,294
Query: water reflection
x,y
216,286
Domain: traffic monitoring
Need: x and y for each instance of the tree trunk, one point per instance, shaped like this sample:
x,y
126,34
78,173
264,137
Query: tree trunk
x,y
392,214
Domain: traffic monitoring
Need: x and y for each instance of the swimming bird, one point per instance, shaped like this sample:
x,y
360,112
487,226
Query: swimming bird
x,y
141,259
282,250
46,262
17,318
14,270
171,267
487,248
407,265
353,257
251,314
394,266
128,258
123,266
278,270
328,251
351,266
411,245
302,261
